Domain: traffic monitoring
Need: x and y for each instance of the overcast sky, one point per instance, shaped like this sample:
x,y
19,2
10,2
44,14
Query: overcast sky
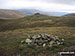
x,y
42,5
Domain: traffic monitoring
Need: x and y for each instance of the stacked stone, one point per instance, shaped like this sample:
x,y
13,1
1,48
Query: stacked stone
x,y
44,40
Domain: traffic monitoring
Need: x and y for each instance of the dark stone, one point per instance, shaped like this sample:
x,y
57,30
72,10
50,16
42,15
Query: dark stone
x,y
37,14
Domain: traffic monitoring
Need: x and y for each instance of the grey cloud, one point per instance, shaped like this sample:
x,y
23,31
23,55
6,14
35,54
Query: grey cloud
x,y
46,5
3,2
68,2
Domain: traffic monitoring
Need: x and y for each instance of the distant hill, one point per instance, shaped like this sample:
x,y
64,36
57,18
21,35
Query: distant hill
x,y
33,21
33,11
9,14
72,14
29,11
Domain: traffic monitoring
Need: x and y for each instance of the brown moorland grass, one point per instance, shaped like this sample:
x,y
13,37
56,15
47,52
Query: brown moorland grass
x,y
12,32
11,39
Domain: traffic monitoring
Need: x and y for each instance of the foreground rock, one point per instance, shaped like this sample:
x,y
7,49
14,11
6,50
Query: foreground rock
x,y
43,40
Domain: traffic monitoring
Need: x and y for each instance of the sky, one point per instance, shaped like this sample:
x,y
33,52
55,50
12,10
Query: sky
x,y
42,5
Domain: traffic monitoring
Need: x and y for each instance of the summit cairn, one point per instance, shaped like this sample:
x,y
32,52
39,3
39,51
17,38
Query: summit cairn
x,y
37,14
44,40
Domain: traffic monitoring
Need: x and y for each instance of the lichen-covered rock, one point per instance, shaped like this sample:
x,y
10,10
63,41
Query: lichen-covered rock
x,y
23,41
44,40
28,41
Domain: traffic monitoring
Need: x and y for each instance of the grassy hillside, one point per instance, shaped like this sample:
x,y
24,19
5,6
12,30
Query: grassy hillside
x,y
10,41
36,21
13,31
71,14
9,14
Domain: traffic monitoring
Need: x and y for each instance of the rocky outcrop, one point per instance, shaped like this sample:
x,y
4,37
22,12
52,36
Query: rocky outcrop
x,y
43,40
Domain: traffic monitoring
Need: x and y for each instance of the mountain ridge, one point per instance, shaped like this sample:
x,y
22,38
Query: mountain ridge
x,y
33,11
71,14
33,21
10,14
